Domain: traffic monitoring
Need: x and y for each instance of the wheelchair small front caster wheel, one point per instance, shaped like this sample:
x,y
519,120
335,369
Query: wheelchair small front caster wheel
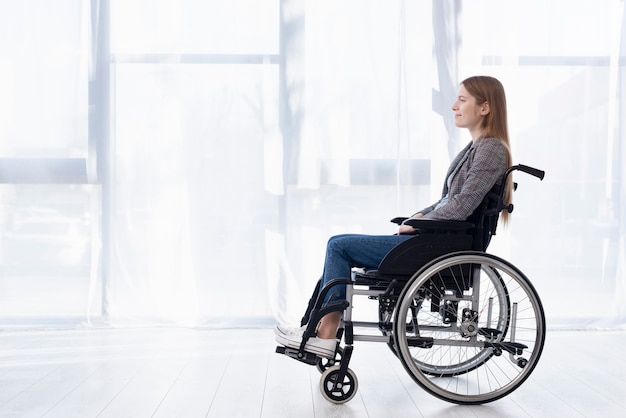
x,y
522,362
335,391
325,363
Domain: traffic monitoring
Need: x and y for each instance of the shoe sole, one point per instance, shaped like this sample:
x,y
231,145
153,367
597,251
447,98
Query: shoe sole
x,y
279,331
322,352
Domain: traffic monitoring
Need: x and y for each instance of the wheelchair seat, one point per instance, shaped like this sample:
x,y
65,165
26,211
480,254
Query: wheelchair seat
x,y
439,237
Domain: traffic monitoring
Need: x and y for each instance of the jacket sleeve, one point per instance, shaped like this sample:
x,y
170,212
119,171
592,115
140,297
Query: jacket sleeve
x,y
481,171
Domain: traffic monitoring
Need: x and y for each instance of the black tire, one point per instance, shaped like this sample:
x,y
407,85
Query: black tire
x,y
341,393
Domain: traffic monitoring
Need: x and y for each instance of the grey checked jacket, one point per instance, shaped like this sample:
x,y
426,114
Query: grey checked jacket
x,y
475,170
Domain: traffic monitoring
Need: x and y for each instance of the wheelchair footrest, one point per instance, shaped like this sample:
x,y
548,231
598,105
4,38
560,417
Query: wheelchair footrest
x,y
510,347
305,357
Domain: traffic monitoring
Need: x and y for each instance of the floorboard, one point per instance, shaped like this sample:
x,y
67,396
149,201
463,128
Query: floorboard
x,y
180,372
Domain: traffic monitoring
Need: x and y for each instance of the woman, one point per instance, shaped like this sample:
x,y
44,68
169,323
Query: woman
x,y
480,108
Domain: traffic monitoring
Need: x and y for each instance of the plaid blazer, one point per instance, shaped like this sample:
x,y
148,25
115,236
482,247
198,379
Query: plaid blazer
x,y
473,172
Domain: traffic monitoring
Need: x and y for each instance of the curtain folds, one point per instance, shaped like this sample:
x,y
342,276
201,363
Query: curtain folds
x,y
241,135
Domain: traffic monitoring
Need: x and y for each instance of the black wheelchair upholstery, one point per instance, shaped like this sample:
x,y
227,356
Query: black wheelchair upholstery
x,y
437,237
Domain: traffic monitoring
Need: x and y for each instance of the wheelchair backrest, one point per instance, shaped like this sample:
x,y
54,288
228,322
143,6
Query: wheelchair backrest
x,y
485,217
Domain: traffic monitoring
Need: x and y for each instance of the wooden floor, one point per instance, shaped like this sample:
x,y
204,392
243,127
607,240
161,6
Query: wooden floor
x,y
167,372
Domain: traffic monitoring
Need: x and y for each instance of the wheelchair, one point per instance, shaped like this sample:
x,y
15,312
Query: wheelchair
x,y
467,326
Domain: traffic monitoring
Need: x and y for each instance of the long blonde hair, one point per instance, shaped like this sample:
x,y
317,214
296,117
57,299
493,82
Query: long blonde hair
x,y
495,123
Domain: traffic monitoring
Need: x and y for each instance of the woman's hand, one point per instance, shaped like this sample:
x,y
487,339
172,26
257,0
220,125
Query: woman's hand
x,y
408,229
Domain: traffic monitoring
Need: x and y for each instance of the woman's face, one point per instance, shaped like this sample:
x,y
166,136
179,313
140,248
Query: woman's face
x,y
467,113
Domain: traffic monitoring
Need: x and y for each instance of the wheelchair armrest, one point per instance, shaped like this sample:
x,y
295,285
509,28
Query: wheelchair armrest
x,y
398,220
435,224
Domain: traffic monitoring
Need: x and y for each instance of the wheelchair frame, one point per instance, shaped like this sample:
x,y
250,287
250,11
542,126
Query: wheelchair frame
x,y
469,327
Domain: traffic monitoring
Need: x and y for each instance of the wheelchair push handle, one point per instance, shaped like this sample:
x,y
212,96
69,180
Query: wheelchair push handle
x,y
529,170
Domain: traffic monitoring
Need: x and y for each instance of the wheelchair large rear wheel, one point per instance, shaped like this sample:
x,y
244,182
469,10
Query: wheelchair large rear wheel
x,y
469,327
448,310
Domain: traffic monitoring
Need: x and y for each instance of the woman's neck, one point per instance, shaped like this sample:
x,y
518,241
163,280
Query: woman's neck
x,y
476,135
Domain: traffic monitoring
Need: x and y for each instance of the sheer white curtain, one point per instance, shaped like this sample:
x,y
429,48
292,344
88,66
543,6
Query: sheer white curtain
x,y
47,206
243,134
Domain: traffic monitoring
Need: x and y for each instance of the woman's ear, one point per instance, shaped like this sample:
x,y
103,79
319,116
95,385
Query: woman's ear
x,y
484,110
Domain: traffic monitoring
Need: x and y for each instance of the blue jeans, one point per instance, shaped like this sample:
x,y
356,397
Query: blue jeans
x,y
352,250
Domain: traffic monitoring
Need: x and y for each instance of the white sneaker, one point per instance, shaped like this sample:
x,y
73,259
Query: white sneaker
x,y
285,330
319,346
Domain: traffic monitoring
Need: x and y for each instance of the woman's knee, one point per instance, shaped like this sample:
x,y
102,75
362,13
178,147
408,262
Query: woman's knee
x,y
338,242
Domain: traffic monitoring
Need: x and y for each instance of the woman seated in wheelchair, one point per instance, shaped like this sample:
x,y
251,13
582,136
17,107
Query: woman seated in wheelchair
x,y
480,107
